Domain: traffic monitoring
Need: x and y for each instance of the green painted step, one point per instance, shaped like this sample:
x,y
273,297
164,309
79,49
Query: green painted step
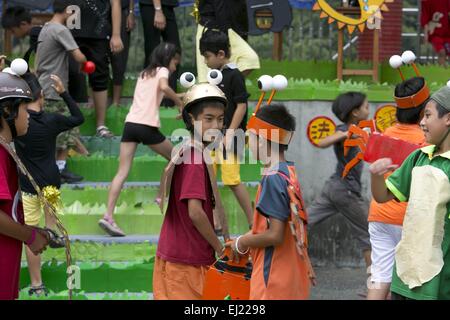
x,y
115,119
111,146
100,252
97,277
100,168
136,212
81,295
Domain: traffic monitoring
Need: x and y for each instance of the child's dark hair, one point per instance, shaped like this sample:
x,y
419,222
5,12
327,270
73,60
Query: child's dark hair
x,y
33,83
347,102
14,16
278,115
11,106
214,41
161,57
197,108
405,89
60,6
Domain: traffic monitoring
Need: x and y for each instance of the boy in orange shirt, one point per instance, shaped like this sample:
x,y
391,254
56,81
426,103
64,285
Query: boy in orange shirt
x,y
281,267
385,220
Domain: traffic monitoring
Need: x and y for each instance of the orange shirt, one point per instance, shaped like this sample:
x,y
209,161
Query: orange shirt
x,y
279,273
393,212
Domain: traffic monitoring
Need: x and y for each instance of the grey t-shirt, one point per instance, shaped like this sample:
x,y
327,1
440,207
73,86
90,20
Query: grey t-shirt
x,y
52,56
353,180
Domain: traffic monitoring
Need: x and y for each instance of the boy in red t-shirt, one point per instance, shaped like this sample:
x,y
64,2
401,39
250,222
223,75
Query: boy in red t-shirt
x,y
14,94
187,243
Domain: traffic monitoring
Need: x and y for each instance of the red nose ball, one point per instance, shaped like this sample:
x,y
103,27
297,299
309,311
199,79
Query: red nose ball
x,y
89,67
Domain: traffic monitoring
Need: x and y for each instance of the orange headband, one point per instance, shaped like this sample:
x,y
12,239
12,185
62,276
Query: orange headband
x,y
267,131
415,100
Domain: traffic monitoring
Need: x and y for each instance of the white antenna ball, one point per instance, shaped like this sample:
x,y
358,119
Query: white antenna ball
x,y
280,82
187,80
215,77
265,83
396,61
9,70
19,66
408,57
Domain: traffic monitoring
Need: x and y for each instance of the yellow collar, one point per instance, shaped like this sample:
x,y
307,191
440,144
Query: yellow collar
x,y
429,150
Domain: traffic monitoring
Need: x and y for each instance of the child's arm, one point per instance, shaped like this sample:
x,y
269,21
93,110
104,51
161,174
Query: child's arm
x,y
271,237
378,169
239,114
202,224
169,93
78,56
12,229
116,43
337,137
76,117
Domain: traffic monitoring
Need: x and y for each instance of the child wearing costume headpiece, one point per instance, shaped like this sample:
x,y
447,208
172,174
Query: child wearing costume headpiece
x,y
278,240
386,219
188,244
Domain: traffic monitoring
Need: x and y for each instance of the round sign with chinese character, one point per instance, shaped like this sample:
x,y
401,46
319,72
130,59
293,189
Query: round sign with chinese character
x,y
319,128
385,117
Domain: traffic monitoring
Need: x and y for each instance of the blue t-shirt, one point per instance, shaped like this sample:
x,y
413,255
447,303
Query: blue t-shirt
x,y
274,198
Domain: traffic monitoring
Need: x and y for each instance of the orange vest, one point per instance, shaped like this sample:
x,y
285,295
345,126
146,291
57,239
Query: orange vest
x,y
283,272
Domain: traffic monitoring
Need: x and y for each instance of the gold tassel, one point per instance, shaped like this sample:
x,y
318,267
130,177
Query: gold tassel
x,y
53,196
196,12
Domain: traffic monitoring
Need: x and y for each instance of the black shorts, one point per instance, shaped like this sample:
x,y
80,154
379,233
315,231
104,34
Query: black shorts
x,y
97,51
141,133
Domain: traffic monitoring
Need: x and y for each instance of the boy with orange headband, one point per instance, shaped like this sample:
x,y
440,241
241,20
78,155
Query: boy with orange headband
x,y
281,266
385,220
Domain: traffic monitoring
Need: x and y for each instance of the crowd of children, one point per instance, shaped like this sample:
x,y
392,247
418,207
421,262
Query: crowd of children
x,y
404,236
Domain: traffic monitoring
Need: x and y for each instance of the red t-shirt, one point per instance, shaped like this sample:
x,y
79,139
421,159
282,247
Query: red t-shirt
x,y
429,8
179,240
10,249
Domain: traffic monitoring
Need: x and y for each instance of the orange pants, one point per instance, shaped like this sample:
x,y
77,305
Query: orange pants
x,y
175,281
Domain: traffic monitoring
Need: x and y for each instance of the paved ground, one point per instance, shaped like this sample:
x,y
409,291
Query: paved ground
x,y
339,283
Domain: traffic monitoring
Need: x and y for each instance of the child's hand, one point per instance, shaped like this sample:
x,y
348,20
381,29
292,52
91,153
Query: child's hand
x,y
219,251
234,254
382,166
58,85
40,242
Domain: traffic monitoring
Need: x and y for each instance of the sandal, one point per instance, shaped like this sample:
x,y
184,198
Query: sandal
x,y
104,132
110,227
38,291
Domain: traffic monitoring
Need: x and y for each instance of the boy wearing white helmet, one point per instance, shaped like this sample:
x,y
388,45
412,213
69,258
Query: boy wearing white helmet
x,y
187,244
14,95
